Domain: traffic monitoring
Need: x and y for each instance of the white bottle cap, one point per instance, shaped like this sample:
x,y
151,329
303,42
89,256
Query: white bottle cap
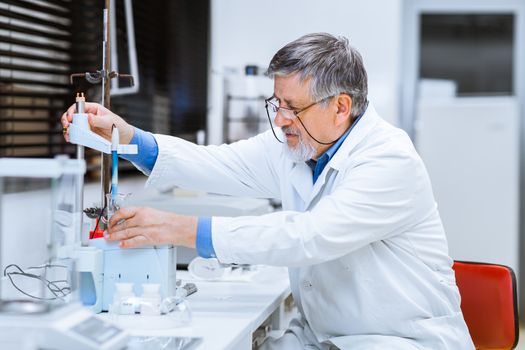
x,y
124,287
151,289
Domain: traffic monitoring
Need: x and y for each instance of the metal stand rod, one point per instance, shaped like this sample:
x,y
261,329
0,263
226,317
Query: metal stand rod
x,y
105,166
104,76
79,205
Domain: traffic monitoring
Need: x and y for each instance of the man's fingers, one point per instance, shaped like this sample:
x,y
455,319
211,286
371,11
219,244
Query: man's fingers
x,y
129,237
97,122
120,215
92,107
65,126
126,233
70,111
89,107
67,117
65,120
137,241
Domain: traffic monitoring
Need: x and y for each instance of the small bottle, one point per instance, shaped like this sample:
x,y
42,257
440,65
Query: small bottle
x,y
123,299
150,299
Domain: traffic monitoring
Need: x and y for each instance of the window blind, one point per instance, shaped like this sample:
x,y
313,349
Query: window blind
x,y
43,41
35,43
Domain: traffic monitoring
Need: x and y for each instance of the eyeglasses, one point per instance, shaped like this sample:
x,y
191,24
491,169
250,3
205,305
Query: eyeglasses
x,y
272,109
289,113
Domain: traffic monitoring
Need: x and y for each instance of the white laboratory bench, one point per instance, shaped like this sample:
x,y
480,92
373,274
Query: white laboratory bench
x,y
225,314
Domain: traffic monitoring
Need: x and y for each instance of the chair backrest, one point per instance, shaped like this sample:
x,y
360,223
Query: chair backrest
x,y
489,303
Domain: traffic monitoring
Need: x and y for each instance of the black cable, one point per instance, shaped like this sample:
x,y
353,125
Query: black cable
x,y
53,287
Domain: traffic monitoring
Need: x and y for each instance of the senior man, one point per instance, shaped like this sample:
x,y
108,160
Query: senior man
x,y
359,231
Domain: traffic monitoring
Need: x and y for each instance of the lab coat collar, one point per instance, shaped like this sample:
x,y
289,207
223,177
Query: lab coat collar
x,y
301,174
302,180
365,125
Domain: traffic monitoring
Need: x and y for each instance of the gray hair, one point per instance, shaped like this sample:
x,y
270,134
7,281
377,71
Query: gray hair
x,y
332,64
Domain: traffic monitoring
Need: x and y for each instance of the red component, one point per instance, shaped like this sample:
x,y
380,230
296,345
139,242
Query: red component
x,y
489,303
98,233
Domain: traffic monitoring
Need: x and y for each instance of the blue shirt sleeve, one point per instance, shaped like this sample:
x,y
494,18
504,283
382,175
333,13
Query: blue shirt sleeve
x,y
204,241
148,150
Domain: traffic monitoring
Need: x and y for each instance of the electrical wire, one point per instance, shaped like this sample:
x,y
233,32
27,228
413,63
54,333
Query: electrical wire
x,y
53,286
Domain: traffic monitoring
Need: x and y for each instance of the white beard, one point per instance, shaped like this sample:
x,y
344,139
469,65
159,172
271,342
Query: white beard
x,y
302,152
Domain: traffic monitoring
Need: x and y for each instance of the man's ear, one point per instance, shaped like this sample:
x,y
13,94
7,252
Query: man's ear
x,y
344,106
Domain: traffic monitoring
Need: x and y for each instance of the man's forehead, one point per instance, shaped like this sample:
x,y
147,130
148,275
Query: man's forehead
x,y
291,90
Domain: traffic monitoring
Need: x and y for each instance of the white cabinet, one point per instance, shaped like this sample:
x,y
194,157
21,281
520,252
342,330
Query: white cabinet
x,y
471,149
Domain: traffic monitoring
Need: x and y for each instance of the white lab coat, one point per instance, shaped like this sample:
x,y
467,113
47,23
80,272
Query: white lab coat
x,y
367,254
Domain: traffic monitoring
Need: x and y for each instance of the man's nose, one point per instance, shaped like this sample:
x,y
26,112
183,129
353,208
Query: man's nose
x,y
281,121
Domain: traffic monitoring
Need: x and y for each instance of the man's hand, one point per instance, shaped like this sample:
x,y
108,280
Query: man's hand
x,y
101,121
139,226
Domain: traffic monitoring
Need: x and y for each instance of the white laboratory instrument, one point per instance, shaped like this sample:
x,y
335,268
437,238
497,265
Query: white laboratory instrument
x,y
102,264
108,264
27,325
58,322
81,134
137,266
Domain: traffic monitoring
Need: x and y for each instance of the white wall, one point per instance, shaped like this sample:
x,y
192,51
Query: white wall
x,y
250,32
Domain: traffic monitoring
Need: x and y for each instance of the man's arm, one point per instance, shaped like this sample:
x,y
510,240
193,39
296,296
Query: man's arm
x,y
248,168
148,151
370,205
377,200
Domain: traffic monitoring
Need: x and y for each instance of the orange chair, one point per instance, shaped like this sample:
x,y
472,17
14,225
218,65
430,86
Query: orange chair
x,y
489,304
